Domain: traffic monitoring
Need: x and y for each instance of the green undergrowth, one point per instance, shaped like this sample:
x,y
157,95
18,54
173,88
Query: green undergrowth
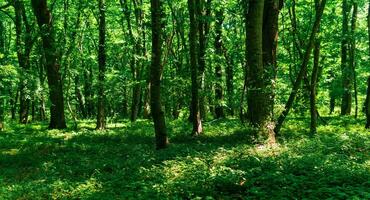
x,y
224,163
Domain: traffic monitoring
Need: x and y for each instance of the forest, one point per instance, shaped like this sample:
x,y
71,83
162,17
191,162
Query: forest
x,y
184,99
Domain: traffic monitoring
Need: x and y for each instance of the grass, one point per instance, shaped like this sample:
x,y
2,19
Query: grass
x,y
225,163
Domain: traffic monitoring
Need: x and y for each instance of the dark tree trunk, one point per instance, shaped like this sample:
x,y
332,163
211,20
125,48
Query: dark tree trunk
x,y
2,89
346,69
219,110
23,51
314,80
259,111
367,101
303,68
315,70
100,121
203,29
270,41
155,77
193,38
367,104
44,20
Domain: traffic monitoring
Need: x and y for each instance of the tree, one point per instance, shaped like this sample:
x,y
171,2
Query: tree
x,y
367,101
258,107
302,70
195,77
45,23
100,122
219,111
155,76
346,69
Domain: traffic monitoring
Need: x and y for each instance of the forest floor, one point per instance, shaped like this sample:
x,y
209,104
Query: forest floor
x,y
224,163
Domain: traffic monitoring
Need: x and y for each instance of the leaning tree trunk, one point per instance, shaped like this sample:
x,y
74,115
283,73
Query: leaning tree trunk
x,y
193,38
303,68
100,121
44,20
155,76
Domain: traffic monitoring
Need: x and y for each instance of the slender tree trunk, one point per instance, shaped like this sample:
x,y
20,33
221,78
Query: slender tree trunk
x,y
89,95
100,122
303,68
346,69
44,20
23,61
155,76
193,38
314,77
2,89
219,110
229,81
79,97
352,54
315,70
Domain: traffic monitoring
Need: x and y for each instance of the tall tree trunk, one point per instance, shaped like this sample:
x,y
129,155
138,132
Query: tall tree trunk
x,y
23,50
219,110
367,102
352,54
44,20
100,122
259,111
155,76
193,38
2,89
303,68
315,70
346,69
314,77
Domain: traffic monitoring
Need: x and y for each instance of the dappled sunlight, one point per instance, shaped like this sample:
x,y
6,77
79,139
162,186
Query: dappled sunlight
x,y
226,161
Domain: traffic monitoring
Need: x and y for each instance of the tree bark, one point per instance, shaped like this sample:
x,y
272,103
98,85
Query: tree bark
x,y
44,20
100,121
219,110
258,88
155,76
193,38
315,70
367,101
303,68
270,42
346,69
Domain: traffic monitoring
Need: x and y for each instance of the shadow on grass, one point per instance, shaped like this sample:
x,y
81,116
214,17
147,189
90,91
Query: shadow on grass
x,y
121,163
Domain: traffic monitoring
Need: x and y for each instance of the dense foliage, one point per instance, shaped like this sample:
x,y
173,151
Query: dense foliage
x,y
246,99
